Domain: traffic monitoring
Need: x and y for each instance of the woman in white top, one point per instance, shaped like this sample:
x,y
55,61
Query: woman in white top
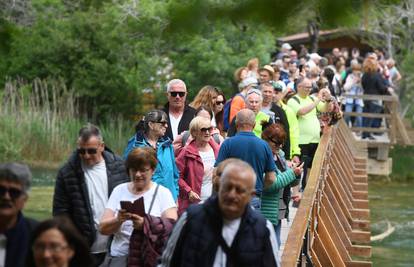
x,y
141,163
196,163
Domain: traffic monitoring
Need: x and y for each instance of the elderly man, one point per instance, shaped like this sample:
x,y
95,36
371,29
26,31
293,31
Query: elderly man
x,y
179,112
15,229
83,186
225,230
254,100
245,145
305,107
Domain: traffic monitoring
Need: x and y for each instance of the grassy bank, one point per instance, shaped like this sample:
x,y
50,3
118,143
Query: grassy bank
x,y
39,123
39,204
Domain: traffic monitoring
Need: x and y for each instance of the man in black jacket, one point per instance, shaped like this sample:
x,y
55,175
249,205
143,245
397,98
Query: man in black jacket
x,y
179,113
224,230
83,186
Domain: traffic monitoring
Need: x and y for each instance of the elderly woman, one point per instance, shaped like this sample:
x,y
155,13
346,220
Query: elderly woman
x,y
275,199
185,137
150,133
196,164
65,245
158,204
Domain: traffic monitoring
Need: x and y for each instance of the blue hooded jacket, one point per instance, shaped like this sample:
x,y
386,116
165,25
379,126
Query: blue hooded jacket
x,y
166,172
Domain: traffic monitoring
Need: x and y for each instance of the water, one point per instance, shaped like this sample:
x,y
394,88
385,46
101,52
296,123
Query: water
x,y
43,177
392,201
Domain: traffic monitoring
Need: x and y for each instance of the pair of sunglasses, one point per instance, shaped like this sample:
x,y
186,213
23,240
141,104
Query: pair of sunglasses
x,y
219,102
175,94
14,193
209,129
90,151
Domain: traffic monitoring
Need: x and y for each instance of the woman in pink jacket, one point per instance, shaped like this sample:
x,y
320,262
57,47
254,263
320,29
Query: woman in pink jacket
x,y
196,163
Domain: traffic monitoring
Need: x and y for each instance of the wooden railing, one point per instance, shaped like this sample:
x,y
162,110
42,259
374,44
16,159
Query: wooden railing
x,y
390,114
331,226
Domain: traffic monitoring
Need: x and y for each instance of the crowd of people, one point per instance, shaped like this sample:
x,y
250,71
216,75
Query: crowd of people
x,y
206,183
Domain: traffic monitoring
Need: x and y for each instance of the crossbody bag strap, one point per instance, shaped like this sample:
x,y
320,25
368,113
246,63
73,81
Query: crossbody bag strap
x,y
153,199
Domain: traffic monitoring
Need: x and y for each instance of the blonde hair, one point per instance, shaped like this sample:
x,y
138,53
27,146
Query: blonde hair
x,y
252,63
205,97
370,65
196,124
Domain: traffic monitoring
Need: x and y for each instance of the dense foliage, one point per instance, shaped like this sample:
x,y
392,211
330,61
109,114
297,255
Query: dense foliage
x,y
111,53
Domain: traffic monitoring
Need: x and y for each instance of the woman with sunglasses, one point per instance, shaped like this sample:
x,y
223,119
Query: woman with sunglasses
x,y
196,163
275,199
150,132
57,243
218,111
185,137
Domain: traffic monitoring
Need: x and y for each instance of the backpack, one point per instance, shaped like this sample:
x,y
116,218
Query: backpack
x,y
226,112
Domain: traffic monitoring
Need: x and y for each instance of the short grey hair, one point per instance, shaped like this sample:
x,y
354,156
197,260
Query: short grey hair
x,y
246,116
173,82
254,91
89,130
16,173
240,167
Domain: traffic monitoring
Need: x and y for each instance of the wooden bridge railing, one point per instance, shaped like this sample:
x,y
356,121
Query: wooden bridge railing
x,y
331,226
390,114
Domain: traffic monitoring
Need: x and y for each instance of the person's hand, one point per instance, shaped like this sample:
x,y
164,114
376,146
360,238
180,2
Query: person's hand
x,y
123,215
296,197
193,196
298,169
137,221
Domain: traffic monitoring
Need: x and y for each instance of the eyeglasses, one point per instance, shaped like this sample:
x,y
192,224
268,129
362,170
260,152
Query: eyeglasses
x,y
90,151
53,248
143,171
14,193
277,143
219,102
175,94
209,129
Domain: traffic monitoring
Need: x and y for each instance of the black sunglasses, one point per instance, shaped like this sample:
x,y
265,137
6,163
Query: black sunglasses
x,y
14,193
209,129
90,151
219,102
174,94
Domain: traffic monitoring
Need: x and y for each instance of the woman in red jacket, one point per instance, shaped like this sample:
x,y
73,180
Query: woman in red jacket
x,y
196,163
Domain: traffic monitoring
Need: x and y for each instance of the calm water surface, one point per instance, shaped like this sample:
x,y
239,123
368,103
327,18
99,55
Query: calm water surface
x,y
391,201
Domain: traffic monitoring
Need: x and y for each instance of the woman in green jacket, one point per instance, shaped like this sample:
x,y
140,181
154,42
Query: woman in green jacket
x,y
275,199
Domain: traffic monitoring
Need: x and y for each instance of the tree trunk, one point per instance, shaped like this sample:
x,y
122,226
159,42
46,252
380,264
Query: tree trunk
x,y
313,31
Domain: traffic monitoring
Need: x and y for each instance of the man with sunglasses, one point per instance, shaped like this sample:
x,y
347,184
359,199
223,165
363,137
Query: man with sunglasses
x,y
15,229
179,112
84,184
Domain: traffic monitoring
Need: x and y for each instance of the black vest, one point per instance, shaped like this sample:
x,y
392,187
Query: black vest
x,y
200,238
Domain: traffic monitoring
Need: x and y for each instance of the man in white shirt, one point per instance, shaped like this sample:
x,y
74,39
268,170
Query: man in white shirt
x,y
225,230
179,113
83,186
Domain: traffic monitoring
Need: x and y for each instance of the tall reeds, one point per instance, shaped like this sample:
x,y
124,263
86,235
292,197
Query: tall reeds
x,y
39,122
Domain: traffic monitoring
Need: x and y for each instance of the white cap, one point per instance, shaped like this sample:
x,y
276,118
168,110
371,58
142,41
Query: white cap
x,y
286,46
315,56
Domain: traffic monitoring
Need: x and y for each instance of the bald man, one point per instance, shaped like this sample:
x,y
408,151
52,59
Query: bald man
x,y
225,228
245,145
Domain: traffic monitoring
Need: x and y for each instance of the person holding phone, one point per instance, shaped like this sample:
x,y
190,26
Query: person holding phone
x,y
159,205
276,198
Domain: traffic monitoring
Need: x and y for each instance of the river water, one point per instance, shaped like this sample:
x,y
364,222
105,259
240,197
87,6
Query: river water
x,y
392,201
